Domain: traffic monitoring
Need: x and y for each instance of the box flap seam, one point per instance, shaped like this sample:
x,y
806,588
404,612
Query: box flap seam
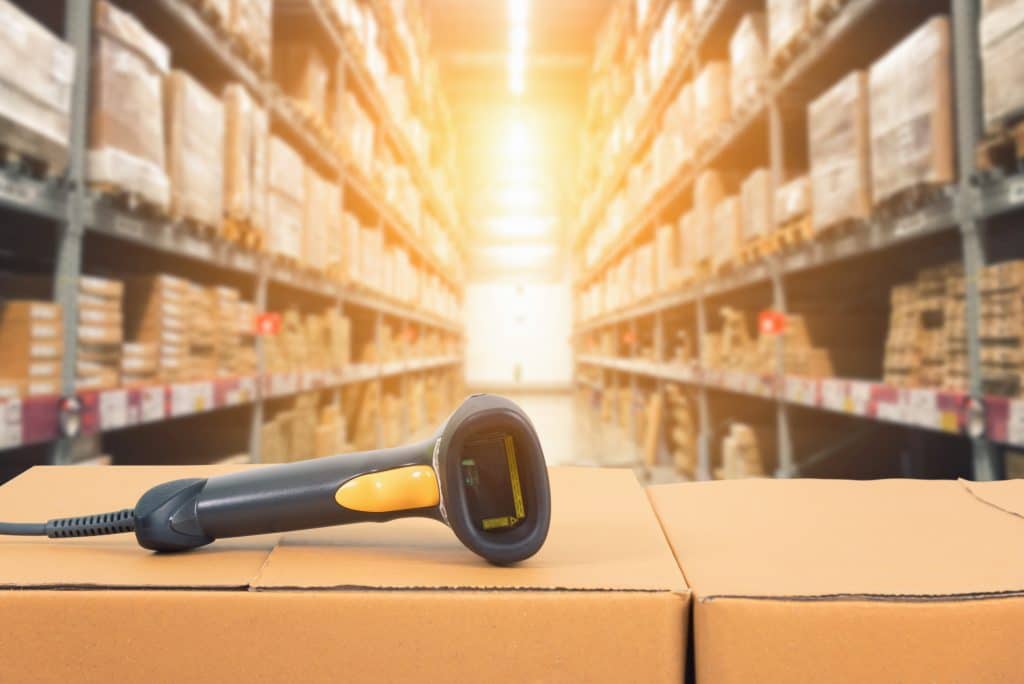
x,y
967,487
852,596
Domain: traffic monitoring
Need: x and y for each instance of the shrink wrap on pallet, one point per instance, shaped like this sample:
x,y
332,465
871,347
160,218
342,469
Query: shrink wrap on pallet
x,y
194,122
792,201
302,71
643,271
757,205
839,149
36,73
316,220
666,257
787,20
911,115
260,171
727,228
126,135
708,191
286,200
711,100
1002,61
250,20
687,249
239,168
748,61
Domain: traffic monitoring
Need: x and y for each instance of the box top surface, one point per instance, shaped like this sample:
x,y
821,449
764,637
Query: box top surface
x,y
891,539
604,536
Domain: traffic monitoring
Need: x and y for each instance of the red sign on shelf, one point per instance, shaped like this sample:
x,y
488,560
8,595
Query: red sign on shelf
x,y
268,324
771,322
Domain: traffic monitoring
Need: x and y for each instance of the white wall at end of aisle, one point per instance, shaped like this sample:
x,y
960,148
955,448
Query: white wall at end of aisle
x,y
518,334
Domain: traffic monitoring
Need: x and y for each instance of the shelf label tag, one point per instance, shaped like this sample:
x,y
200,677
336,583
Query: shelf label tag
x,y
11,434
152,405
1015,422
202,397
16,191
1015,191
113,409
268,324
771,322
923,408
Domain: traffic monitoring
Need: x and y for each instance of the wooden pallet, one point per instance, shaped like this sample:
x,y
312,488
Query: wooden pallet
x,y
785,54
795,233
129,199
211,15
826,11
748,253
18,162
241,232
908,200
1002,152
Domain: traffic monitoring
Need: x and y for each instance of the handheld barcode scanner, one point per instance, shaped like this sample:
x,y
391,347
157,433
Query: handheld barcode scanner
x,y
483,474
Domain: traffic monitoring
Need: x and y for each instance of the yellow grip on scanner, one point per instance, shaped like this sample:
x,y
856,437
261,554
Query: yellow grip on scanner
x,y
399,489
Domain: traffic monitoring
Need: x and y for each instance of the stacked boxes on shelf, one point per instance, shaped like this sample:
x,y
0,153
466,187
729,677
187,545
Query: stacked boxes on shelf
x,y
1002,328
748,60
285,200
194,126
250,22
1002,59
32,337
245,166
100,333
126,137
201,305
36,72
787,23
157,314
911,114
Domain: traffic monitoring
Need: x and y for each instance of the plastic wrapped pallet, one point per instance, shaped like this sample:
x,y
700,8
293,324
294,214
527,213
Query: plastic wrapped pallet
x,y
787,21
260,172
100,333
839,150
708,192
666,255
757,205
239,129
748,61
250,20
317,220
286,200
687,257
194,124
911,115
712,107
727,229
157,312
126,137
302,71
1002,60
36,73
792,201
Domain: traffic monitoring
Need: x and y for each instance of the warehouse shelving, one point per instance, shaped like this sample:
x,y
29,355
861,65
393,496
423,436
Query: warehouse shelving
x,y
79,213
960,212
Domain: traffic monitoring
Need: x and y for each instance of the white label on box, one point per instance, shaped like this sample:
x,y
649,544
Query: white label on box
x,y
1015,191
833,394
801,390
283,383
181,399
202,396
113,409
10,424
910,225
891,411
151,404
923,408
196,247
1015,422
18,192
43,350
129,226
243,391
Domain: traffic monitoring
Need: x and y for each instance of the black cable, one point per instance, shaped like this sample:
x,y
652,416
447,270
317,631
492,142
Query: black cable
x,y
117,522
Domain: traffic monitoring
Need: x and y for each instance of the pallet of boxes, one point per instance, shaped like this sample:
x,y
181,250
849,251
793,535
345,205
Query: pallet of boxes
x,y
1002,60
158,319
32,337
100,333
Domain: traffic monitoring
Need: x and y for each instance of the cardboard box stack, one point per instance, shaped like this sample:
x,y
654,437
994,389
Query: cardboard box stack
x,y
787,21
682,431
748,62
321,234
757,206
203,334
801,357
741,454
250,22
911,113
36,73
302,71
245,164
792,203
1002,61
286,200
157,313
227,345
100,333
140,364
727,228
194,126
359,138
126,135
839,148
712,104
1002,328
245,327
32,337
708,193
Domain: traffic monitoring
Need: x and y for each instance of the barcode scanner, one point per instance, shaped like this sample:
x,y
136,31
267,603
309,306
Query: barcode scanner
x,y
482,473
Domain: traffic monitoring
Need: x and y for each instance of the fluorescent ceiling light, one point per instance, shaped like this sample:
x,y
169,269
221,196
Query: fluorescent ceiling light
x,y
523,227
518,10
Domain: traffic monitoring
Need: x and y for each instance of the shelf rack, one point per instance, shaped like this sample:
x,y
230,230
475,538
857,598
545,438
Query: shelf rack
x,y
963,209
78,212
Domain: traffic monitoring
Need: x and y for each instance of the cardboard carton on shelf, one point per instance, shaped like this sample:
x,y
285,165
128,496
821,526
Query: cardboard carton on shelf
x,y
911,114
126,134
712,103
36,74
286,200
748,62
251,20
788,20
100,333
708,192
857,573
32,337
301,69
726,231
839,148
757,205
239,166
194,126
1002,57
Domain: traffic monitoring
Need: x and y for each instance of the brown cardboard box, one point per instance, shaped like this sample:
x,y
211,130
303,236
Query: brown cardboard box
x,y
603,600
1002,58
808,580
194,128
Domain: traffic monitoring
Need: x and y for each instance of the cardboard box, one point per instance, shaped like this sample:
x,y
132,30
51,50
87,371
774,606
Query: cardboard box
x,y
712,103
1002,60
911,113
603,600
748,61
787,21
194,126
804,580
